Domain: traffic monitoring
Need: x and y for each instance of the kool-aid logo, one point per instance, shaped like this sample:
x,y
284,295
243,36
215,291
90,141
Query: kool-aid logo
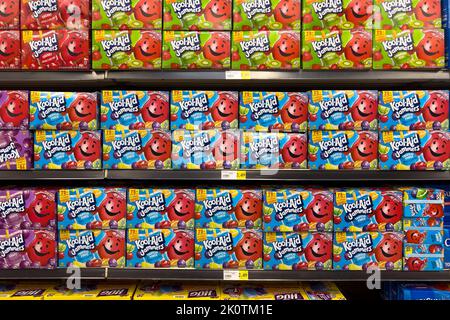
x,y
151,243
221,203
9,152
81,243
327,7
335,145
265,146
53,105
406,105
132,143
119,44
267,105
39,6
197,104
112,292
86,203
258,44
289,245
46,44
122,106
200,143
331,44
289,206
337,104
191,43
396,6
188,6
362,244
12,205
156,203
112,6
218,244
62,143
404,43
288,296
202,293
12,244
360,207
252,8
405,145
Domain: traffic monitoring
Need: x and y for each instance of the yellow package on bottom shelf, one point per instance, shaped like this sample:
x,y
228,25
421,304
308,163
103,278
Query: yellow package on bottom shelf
x,y
92,291
177,291
10,290
262,292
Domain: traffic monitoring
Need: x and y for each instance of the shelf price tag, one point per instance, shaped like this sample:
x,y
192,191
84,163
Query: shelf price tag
x,y
234,175
237,75
234,275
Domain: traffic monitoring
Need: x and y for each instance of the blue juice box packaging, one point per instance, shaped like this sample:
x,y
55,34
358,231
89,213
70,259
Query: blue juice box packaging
x,y
91,208
423,203
273,111
67,150
228,208
413,110
343,150
423,257
135,110
343,110
424,235
297,251
446,247
164,248
136,149
228,249
63,110
287,210
425,223
91,248
203,110
160,208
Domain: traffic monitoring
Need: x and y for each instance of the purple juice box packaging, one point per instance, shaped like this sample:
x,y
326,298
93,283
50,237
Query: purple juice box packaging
x,y
14,109
16,150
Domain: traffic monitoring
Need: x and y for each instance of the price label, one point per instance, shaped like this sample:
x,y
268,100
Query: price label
x,y
234,175
237,75
234,275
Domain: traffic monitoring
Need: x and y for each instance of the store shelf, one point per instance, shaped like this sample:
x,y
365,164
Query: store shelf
x,y
53,175
44,274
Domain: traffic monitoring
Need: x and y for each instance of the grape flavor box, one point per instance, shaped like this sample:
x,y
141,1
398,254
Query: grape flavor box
x,y
14,109
16,150
10,49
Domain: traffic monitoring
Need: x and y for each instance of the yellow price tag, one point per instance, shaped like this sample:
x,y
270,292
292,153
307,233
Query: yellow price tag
x,y
243,274
64,195
245,75
107,96
241,175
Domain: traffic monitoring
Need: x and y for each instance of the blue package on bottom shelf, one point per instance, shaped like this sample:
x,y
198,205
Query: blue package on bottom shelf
x,y
447,247
418,291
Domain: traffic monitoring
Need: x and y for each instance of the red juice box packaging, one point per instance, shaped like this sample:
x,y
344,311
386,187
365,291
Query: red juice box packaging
x,y
27,249
423,203
9,15
265,50
14,109
16,150
10,49
333,50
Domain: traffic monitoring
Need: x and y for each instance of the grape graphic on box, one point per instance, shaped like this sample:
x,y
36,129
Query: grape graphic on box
x,y
10,50
14,109
16,150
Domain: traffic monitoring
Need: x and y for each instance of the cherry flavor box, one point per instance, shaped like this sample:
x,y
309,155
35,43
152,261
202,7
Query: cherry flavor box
x,y
164,248
228,249
197,15
27,249
131,14
413,110
126,49
290,210
333,50
9,49
16,150
265,50
177,291
343,150
423,257
358,210
206,149
203,110
273,111
160,208
55,50
414,150
91,208
228,208
27,209
67,150
196,50
91,248
297,251
63,110
9,15
342,110
363,250
14,110
423,203
134,110
240,291
136,149
273,15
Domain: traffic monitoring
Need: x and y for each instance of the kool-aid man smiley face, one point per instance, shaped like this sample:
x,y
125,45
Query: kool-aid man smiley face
x,y
359,48
9,49
42,210
158,147
42,249
286,48
8,11
287,11
155,109
226,148
295,109
319,248
181,208
320,209
431,47
415,264
437,148
249,207
389,249
249,247
112,246
436,107
148,48
147,11
358,11
225,108
294,151
218,11
83,108
389,210
365,148
14,110
74,49
434,211
88,148
217,47
181,246
113,207
415,236
365,108
428,10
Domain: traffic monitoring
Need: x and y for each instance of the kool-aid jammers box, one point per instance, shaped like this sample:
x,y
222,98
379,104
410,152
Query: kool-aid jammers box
x,y
363,250
91,248
206,149
273,150
340,150
134,110
228,249
368,210
27,209
160,208
196,50
423,257
54,14
298,210
27,249
414,150
130,14
9,15
63,110
273,15
342,110
136,149
424,235
165,248
297,251
14,110
408,49
273,111
55,50
228,208
423,203
332,50
265,50
414,110
126,49
197,110
10,49
67,150
92,208
16,150
337,14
